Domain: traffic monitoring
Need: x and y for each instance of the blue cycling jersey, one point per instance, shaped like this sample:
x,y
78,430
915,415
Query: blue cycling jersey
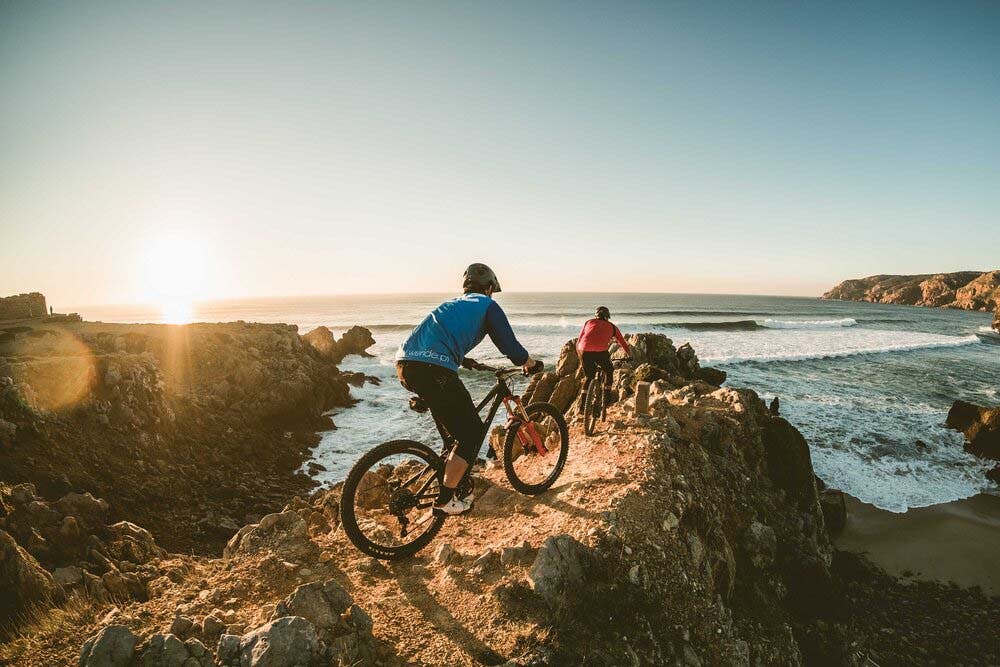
x,y
452,329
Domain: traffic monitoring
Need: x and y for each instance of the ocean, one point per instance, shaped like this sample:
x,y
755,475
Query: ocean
x,y
869,385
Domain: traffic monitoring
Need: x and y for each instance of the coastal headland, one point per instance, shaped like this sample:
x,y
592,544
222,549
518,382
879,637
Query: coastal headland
x,y
153,511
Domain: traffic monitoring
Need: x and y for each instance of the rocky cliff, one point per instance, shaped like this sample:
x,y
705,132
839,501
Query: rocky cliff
x,y
693,535
22,306
190,431
968,290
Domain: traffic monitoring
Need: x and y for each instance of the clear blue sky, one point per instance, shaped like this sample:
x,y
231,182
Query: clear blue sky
x,y
240,149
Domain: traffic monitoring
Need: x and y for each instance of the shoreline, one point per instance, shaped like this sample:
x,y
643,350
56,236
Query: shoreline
x,y
953,542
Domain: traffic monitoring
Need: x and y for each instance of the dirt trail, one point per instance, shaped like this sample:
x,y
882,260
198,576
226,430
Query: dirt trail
x,y
434,613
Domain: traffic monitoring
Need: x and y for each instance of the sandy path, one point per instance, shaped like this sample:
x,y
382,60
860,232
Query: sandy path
x,y
446,615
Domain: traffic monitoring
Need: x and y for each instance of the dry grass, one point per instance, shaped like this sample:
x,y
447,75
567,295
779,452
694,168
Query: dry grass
x,y
46,633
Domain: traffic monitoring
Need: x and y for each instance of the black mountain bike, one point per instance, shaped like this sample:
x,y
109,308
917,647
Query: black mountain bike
x,y
595,406
386,506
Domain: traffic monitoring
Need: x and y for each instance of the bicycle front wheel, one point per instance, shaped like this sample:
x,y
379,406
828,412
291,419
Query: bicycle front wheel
x,y
386,506
534,453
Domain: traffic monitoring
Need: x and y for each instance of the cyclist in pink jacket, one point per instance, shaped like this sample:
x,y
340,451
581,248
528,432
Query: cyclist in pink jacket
x,y
592,346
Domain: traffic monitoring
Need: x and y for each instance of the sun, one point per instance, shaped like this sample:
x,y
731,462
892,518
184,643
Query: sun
x,y
173,270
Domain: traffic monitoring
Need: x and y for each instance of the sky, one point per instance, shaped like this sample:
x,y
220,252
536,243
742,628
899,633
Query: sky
x,y
155,151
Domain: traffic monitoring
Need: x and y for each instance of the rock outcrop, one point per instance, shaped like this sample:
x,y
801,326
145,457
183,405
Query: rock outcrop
x,y
981,427
354,341
188,431
968,290
654,357
23,306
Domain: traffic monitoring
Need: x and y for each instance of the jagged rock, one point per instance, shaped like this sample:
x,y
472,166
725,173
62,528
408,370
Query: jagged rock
x,y
569,360
127,541
789,463
543,388
113,646
564,392
181,626
970,290
834,508
213,626
23,582
355,341
558,567
163,651
228,649
980,425
711,375
319,603
648,373
760,545
285,533
286,641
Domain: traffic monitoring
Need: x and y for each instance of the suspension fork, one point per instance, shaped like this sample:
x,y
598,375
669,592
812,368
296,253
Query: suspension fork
x,y
515,411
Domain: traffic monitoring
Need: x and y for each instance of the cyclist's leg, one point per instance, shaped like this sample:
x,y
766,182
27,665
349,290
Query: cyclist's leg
x,y
451,404
609,372
589,360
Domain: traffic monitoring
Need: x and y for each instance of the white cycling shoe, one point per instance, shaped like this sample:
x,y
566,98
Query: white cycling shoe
x,y
454,507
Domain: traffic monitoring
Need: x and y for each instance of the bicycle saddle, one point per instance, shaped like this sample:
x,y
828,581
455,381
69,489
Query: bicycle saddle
x,y
417,404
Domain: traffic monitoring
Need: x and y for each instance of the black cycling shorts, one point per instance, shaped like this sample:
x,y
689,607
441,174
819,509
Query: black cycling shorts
x,y
591,360
449,402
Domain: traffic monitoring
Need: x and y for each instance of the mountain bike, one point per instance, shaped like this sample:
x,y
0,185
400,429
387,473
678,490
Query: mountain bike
x,y
387,501
595,407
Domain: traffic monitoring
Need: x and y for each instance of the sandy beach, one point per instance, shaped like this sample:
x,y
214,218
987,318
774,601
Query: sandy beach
x,y
954,541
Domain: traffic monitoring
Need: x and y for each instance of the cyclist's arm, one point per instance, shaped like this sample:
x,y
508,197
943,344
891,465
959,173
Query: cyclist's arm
x,y
499,331
621,340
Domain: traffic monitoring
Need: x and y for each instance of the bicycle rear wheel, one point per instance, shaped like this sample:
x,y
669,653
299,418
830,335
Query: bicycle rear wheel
x,y
386,504
593,406
534,453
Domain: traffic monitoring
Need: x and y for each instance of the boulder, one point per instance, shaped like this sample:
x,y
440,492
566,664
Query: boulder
x,y
558,568
285,533
354,341
127,541
569,359
711,375
283,642
654,349
319,603
113,646
23,582
981,427
163,651
648,373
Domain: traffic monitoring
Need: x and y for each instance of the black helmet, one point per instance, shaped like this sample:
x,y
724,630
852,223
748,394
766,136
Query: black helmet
x,y
603,313
478,277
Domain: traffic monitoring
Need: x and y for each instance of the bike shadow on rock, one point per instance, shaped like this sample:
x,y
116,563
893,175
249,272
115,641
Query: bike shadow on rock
x,y
437,615
499,501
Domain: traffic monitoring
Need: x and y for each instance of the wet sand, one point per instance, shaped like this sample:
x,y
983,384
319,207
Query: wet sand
x,y
957,541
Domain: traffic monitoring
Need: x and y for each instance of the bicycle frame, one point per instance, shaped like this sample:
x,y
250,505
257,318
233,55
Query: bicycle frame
x,y
500,394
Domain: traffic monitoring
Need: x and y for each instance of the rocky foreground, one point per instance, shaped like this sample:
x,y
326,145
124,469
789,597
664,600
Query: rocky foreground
x,y
696,534
967,290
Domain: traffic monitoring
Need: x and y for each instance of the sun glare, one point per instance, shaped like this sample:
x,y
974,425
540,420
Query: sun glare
x,y
173,274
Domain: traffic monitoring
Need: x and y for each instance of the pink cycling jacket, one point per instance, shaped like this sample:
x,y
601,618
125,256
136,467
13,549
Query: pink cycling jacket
x,y
596,335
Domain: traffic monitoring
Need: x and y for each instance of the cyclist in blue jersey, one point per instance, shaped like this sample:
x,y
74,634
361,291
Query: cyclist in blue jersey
x,y
427,364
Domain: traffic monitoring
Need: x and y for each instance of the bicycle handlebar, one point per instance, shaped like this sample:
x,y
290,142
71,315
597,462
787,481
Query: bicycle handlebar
x,y
503,372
